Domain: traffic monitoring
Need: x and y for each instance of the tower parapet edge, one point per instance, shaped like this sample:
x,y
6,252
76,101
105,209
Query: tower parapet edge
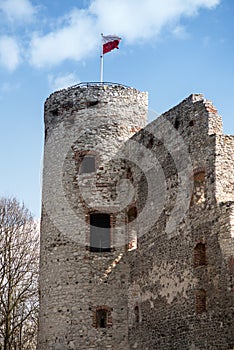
x,y
115,101
84,283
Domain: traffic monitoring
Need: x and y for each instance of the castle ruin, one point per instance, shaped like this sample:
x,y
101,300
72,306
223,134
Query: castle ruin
x,y
137,227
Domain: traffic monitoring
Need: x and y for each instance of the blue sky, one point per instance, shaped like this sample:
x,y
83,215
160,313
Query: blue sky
x,y
170,48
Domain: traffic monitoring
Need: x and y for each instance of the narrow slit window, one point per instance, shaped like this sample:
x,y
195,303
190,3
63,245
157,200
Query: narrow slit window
x,y
132,228
100,233
137,314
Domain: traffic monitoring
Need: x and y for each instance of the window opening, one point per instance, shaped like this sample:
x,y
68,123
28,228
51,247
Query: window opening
x,y
200,255
101,318
177,123
132,228
132,214
137,314
100,233
200,301
87,164
199,188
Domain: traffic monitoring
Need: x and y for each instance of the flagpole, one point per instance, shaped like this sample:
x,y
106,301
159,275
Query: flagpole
x,y
101,61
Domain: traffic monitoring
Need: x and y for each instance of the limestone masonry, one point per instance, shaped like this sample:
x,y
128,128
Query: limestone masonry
x,y
137,227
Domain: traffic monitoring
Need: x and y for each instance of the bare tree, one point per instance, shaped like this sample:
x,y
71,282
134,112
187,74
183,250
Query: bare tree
x,y
19,256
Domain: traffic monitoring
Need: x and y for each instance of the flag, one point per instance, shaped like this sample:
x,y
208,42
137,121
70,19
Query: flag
x,y
110,42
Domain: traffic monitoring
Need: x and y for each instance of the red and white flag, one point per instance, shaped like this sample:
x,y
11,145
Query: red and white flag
x,y
110,42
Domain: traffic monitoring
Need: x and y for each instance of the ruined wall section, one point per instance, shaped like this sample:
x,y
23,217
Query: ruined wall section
x,y
225,233
76,282
224,164
199,124
173,302
182,146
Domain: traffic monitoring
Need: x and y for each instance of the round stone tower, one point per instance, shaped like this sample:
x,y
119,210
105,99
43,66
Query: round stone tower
x,y
86,207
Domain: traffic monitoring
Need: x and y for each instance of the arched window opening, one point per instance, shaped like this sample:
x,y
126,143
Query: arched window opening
x,y
199,188
102,317
100,233
87,164
200,255
200,301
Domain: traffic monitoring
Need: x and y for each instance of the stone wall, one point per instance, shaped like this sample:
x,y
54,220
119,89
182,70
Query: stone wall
x,y
168,190
76,282
224,168
183,304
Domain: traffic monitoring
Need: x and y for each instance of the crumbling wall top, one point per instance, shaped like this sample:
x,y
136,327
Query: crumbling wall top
x,y
96,100
195,110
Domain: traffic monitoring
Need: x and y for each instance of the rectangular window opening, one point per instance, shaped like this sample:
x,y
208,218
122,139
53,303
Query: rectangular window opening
x,y
100,233
87,165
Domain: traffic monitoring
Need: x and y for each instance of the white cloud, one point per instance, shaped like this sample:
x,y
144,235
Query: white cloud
x,y
133,20
62,81
17,10
137,19
9,53
73,41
